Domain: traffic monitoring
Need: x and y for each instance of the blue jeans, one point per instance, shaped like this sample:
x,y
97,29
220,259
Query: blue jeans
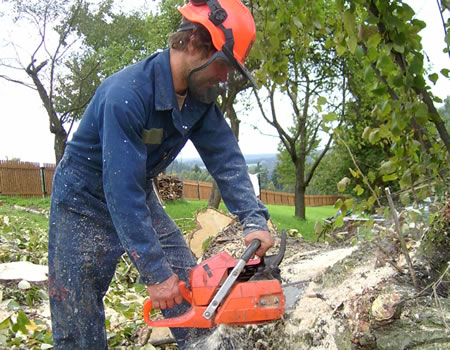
x,y
83,251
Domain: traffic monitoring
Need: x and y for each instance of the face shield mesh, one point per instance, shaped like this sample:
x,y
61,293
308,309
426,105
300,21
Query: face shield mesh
x,y
206,82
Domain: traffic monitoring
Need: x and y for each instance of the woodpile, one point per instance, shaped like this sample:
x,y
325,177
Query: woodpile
x,y
170,188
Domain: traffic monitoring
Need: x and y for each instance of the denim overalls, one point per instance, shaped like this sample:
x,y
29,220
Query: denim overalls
x,y
103,202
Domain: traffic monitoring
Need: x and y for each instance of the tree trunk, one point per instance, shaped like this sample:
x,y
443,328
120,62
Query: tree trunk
x,y
215,197
60,145
56,126
300,189
300,207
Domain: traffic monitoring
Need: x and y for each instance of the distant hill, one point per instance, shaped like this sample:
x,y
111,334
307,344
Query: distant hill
x,y
268,161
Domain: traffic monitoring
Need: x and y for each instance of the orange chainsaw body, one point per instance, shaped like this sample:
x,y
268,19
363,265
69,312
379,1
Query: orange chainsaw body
x,y
248,302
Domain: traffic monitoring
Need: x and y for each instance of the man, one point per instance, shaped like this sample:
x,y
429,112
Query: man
x,y
103,202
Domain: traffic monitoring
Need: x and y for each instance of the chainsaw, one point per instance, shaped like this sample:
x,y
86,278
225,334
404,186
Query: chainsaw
x,y
224,290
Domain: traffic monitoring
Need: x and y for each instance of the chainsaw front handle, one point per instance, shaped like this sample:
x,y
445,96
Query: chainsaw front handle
x,y
148,305
251,250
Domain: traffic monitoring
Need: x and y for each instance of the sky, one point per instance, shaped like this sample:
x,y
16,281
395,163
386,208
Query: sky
x,y
24,130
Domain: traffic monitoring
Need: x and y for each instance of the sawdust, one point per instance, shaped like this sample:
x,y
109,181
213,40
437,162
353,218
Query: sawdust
x,y
312,265
320,302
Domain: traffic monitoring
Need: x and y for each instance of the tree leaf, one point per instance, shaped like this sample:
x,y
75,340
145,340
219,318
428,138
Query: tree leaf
x,y
321,100
374,136
388,167
366,133
341,185
297,22
339,221
349,22
374,40
359,190
341,49
390,177
354,173
352,42
349,203
433,77
329,117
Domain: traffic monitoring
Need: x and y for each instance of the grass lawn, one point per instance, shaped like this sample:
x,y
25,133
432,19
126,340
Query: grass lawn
x,y
183,212
281,215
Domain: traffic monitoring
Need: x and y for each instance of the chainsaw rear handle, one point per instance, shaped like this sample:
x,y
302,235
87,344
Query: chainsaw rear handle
x,y
148,305
251,250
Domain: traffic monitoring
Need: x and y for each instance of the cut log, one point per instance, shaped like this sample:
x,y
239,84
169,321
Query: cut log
x,y
22,270
209,223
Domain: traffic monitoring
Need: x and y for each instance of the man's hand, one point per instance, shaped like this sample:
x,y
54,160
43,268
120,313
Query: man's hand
x,y
266,241
165,294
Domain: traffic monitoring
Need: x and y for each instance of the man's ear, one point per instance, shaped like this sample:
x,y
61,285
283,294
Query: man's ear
x,y
190,48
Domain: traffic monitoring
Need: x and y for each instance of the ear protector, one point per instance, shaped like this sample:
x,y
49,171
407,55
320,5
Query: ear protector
x,y
218,14
238,19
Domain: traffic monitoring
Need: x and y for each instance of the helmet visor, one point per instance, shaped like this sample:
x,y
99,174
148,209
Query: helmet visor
x,y
209,80
206,82
239,66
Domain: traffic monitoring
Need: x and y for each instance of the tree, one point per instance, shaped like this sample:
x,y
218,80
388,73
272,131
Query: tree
x,y
92,42
383,36
45,67
298,63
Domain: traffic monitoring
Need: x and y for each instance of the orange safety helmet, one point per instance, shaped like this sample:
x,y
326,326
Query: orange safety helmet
x,y
230,25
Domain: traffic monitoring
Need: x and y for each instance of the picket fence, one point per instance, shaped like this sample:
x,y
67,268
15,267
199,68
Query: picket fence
x,y
27,179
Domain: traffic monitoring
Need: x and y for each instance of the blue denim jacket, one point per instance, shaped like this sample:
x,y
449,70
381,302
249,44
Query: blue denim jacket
x,y
132,130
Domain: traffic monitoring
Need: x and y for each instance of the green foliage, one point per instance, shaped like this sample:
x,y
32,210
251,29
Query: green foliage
x,y
391,89
110,42
332,169
196,174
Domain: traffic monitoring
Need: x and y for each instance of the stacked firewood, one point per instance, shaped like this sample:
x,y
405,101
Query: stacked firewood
x,y
170,187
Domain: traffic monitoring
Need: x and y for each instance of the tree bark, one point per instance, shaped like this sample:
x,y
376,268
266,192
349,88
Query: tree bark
x,y
300,189
215,197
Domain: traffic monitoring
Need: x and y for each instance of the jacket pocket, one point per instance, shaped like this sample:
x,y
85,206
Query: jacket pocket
x,y
152,136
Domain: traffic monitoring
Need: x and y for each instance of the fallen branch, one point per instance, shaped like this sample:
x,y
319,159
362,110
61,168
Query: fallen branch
x,y
400,237
29,210
389,261
365,179
163,341
436,297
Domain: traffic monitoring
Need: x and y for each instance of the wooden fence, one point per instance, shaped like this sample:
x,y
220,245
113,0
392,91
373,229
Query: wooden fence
x,y
25,179
32,180
198,190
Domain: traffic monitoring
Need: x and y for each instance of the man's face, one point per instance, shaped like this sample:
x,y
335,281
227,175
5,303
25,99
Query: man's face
x,y
207,76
